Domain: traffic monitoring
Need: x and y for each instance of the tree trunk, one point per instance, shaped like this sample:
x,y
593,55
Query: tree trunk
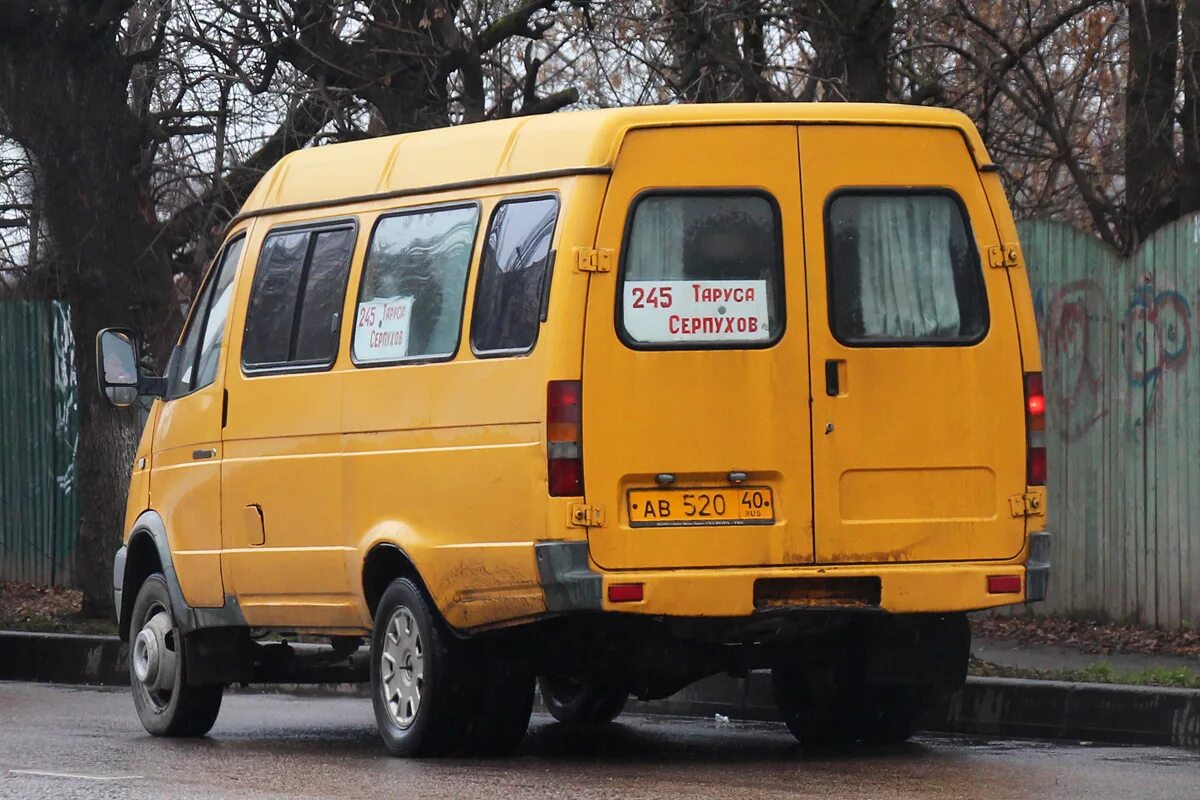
x,y
1189,193
852,42
705,55
1151,169
64,93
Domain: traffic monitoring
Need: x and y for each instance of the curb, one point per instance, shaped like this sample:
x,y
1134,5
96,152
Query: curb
x,y
1002,707
63,658
1006,707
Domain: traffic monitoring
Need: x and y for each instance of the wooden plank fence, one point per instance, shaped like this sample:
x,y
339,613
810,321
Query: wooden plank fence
x,y
1119,337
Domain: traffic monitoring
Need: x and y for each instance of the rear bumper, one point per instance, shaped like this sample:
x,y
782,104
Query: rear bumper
x,y
903,588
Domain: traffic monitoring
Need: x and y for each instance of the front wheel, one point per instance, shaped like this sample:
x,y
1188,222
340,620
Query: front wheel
x,y
166,704
582,701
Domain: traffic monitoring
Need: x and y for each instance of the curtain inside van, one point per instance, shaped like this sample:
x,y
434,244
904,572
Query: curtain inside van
x,y
906,276
903,250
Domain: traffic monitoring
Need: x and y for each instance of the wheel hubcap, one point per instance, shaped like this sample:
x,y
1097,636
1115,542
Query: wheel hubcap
x,y
154,653
402,667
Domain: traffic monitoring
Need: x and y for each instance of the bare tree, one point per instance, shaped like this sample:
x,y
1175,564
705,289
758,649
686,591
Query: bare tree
x,y
101,112
415,65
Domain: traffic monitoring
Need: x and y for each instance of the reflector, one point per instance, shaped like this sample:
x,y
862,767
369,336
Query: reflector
x,y
625,593
1004,584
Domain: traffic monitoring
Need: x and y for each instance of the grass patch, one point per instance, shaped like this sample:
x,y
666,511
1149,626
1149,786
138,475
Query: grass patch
x,y
1100,672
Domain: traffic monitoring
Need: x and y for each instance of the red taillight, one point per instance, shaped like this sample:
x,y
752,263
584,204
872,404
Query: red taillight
x,y
1035,430
564,441
625,593
1004,584
1037,466
1035,395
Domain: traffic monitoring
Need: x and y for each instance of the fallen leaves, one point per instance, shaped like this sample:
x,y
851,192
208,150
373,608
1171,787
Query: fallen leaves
x,y
1090,637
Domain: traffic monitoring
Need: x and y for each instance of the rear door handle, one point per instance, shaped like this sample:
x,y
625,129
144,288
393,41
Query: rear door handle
x,y
199,454
832,381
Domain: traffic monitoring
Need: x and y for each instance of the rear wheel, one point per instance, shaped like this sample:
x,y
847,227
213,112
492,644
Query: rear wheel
x,y
437,695
166,704
825,706
582,701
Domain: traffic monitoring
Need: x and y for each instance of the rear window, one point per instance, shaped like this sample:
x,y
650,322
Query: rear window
x,y
414,283
903,269
702,269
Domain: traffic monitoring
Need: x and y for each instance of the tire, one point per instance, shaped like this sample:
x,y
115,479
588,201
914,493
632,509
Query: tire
x,y
575,701
507,684
827,707
436,695
165,703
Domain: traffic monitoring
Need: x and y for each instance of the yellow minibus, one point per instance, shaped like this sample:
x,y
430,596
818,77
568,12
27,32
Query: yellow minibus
x,y
604,403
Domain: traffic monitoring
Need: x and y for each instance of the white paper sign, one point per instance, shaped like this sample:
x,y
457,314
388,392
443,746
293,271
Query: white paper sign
x,y
696,311
381,329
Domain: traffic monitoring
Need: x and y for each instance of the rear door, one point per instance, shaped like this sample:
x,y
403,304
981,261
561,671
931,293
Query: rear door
x,y
918,411
695,389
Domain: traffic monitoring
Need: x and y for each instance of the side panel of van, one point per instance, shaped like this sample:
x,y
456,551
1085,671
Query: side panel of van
x,y
444,431
918,412
282,472
696,438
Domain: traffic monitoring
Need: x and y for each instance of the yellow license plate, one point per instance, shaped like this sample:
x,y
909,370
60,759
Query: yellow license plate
x,y
742,505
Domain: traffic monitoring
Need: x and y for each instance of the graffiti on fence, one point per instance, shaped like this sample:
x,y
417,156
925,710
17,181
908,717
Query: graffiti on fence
x,y
1156,340
1071,325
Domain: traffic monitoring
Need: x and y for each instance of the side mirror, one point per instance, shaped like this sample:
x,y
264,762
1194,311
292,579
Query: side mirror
x,y
117,371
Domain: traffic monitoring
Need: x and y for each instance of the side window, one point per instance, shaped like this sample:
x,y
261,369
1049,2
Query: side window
x,y
903,269
702,269
514,277
414,282
194,362
214,328
273,300
294,315
324,292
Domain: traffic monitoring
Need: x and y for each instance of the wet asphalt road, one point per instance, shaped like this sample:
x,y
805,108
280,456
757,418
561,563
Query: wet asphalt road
x,y
268,746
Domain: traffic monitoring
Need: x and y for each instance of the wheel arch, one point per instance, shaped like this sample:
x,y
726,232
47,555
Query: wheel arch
x,y
146,552
141,561
385,562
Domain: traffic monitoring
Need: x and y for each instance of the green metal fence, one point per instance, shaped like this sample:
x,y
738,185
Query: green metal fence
x,y
38,436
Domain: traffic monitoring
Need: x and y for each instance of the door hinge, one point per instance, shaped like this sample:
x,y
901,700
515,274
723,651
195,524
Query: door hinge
x,y
585,516
1031,504
1006,256
598,260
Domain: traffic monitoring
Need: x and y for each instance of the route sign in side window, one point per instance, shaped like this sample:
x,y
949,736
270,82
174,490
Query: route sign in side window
x,y
903,269
514,277
702,269
410,305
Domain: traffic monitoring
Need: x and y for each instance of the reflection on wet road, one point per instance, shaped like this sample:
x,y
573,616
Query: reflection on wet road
x,y
69,742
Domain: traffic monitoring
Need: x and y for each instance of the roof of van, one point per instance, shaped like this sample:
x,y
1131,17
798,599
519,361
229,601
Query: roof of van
x,y
568,142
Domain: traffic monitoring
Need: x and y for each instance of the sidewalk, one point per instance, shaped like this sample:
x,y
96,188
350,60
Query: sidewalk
x,y
1047,657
